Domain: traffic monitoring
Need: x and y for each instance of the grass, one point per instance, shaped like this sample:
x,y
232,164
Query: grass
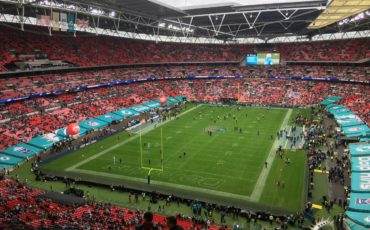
x,y
321,189
306,112
228,161
292,175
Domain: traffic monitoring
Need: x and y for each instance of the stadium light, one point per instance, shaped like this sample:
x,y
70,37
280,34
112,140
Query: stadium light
x,y
355,18
72,7
96,11
112,14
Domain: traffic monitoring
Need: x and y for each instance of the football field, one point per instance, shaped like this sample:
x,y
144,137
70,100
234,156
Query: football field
x,y
217,151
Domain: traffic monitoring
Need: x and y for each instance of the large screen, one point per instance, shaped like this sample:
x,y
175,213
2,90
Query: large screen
x,y
263,59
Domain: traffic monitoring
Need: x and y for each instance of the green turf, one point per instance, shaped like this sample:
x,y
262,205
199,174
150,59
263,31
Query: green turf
x,y
306,112
292,183
228,161
321,183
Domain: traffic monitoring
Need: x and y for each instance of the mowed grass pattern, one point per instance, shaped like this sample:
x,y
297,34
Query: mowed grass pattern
x,y
227,161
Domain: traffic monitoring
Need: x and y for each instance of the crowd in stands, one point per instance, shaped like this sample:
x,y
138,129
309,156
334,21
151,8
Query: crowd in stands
x,y
22,208
20,121
17,87
92,50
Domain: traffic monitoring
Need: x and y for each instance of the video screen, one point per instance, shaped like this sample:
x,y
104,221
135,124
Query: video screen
x,y
263,59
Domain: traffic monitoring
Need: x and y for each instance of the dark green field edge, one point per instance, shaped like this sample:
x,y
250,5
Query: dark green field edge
x,y
137,185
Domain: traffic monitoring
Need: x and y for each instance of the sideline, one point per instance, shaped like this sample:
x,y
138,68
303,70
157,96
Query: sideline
x,y
260,184
144,131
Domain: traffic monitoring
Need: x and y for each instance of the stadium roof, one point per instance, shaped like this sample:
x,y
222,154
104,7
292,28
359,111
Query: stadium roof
x,y
196,4
338,10
183,20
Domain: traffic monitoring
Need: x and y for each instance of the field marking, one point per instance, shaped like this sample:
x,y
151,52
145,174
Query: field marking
x,y
260,184
143,131
178,169
290,132
161,183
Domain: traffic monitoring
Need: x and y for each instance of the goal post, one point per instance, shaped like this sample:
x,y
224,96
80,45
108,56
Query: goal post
x,y
151,169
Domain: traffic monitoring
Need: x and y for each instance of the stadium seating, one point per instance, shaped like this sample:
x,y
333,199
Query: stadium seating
x,y
22,120
52,82
111,50
20,208
37,116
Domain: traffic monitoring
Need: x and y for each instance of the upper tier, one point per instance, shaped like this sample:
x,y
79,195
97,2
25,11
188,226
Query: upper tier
x,y
91,50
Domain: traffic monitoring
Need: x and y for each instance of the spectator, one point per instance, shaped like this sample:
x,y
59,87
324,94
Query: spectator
x,y
172,223
148,222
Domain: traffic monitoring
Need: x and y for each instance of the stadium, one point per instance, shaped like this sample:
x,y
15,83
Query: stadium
x,y
180,114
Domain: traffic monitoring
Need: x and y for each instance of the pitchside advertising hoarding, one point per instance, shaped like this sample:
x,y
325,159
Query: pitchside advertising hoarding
x,y
361,164
359,149
263,59
360,182
361,218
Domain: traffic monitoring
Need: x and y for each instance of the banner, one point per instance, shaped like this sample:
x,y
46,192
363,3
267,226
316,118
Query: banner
x,y
2,166
153,104
361,164
22,150
345,115
334,107
350,122
360,182
330,100
180,98
126,112
71,22
360,218
92,123
359,149
42,20
330,106
45,141
363,139
110,117
63,22
9,160
355,131
172,100
140,108
83,24
341,110
359,202
55,22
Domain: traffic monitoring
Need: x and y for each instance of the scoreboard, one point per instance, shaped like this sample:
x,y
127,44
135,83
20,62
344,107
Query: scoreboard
x,y
263,59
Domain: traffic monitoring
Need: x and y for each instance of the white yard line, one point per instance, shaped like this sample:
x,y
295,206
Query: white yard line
x,y
260,184
143,131
178,186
